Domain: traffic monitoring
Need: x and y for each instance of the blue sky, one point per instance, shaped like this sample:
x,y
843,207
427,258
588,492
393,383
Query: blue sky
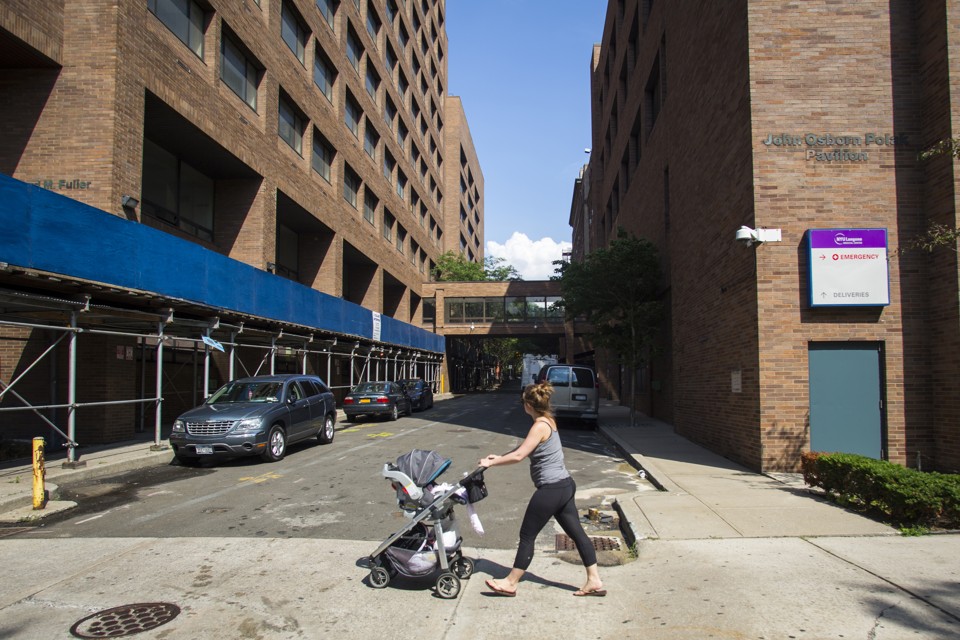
x,y
522,71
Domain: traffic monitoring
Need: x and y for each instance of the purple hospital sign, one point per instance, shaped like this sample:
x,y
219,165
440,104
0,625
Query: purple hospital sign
x,y
848,267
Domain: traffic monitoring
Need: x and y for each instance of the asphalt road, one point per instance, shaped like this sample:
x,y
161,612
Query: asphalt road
x,y
337,491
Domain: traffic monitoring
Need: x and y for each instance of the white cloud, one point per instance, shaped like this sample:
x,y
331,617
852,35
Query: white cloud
x,y
533,259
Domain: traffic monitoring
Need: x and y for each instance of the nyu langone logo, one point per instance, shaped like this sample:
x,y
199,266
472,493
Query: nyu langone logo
x,y
844,241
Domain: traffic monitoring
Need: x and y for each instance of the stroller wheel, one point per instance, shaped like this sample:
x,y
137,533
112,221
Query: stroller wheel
x,y
379,577
448,585
463,568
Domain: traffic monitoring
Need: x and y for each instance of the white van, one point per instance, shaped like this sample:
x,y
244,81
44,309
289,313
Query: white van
x,y
576,391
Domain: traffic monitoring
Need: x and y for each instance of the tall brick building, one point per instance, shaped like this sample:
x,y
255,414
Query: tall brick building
x,y
807,118
311,139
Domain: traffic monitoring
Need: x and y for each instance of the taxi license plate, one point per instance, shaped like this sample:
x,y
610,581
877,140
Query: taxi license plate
x,y
204,449
364,400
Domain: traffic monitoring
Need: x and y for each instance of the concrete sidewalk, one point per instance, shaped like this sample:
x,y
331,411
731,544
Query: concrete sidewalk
x,y
704,495
722,552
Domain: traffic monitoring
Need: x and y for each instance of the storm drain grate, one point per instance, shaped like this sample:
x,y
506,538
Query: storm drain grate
x,y
126,620
600,543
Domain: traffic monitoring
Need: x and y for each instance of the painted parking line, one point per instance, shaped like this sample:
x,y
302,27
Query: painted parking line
x,y
270,475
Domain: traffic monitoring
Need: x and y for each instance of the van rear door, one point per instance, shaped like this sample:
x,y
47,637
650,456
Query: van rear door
x,y
584,396
559,377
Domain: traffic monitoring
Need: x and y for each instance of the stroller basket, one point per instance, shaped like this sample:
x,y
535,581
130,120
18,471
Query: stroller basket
x,y
411,555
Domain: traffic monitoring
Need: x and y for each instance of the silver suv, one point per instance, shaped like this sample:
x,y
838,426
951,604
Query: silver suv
x,y
256,416
576,392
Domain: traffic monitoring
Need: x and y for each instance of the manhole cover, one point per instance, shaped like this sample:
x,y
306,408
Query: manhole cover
x,y
126,620
564,543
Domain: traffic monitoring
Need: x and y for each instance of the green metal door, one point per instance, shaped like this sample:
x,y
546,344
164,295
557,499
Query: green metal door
x,y
846,401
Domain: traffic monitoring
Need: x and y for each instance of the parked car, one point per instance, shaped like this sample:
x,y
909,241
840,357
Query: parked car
x,y
576,392
421,395
260,415
379,398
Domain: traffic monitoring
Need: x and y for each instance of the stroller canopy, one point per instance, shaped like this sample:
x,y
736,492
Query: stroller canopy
x,y
423,467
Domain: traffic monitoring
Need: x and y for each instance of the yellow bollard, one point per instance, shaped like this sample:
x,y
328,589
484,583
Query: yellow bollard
x,y
39,492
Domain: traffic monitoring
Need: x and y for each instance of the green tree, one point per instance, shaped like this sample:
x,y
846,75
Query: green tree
x,y
497,270
506,351
937,235
617,291
454,267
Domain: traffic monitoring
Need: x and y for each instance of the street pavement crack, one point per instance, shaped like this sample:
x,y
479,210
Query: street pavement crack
x,y
893,584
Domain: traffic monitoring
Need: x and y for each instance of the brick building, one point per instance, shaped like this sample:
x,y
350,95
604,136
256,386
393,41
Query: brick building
x,y
311,139
802,118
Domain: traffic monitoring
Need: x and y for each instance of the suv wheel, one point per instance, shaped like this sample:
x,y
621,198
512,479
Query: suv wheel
x,y
325,435
276,444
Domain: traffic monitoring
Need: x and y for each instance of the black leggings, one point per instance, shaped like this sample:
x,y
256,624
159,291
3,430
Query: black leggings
x,y
553,500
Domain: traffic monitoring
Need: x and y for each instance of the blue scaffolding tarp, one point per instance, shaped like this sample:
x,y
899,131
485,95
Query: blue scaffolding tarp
x,y
49,232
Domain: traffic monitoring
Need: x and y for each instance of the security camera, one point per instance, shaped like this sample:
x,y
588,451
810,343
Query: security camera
x,y
749,237
746,236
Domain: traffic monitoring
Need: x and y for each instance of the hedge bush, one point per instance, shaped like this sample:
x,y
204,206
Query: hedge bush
x,y
905,496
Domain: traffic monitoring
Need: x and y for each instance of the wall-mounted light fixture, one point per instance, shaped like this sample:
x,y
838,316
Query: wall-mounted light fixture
x,y
271,267
129,202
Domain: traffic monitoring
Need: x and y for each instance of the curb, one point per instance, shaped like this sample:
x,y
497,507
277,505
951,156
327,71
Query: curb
x,y
653,473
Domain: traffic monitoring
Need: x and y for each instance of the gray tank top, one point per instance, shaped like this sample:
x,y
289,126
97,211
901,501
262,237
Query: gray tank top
x,y
546,461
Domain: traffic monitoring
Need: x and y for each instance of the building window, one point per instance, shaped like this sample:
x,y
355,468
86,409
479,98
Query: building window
x,y
653,96
184,18
324,75
388,164
389,113
328,9
293,32
401,184
388,222
351,186
238,73
352,115
373,83
291,126
401,238
373,24
323,154
370,141
391,59
402,135
391,10
370,203
354,51
176,193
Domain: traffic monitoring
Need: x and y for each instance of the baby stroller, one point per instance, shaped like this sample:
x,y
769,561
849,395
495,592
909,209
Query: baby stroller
x,y
431,539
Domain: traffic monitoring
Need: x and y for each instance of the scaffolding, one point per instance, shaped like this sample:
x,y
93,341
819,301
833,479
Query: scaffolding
x,y
160,334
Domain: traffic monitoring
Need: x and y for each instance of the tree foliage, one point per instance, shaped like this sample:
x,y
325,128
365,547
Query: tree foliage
x,y
937,235
452,266
617,291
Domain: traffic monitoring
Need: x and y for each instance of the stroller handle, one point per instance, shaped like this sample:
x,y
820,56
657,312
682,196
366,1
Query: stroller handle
x,y
473,474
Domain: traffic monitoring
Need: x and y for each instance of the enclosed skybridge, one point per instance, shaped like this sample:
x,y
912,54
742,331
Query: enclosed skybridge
x,y
109,327
524,308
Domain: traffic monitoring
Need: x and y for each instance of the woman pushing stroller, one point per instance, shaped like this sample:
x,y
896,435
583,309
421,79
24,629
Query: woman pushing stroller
x,y
554,495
